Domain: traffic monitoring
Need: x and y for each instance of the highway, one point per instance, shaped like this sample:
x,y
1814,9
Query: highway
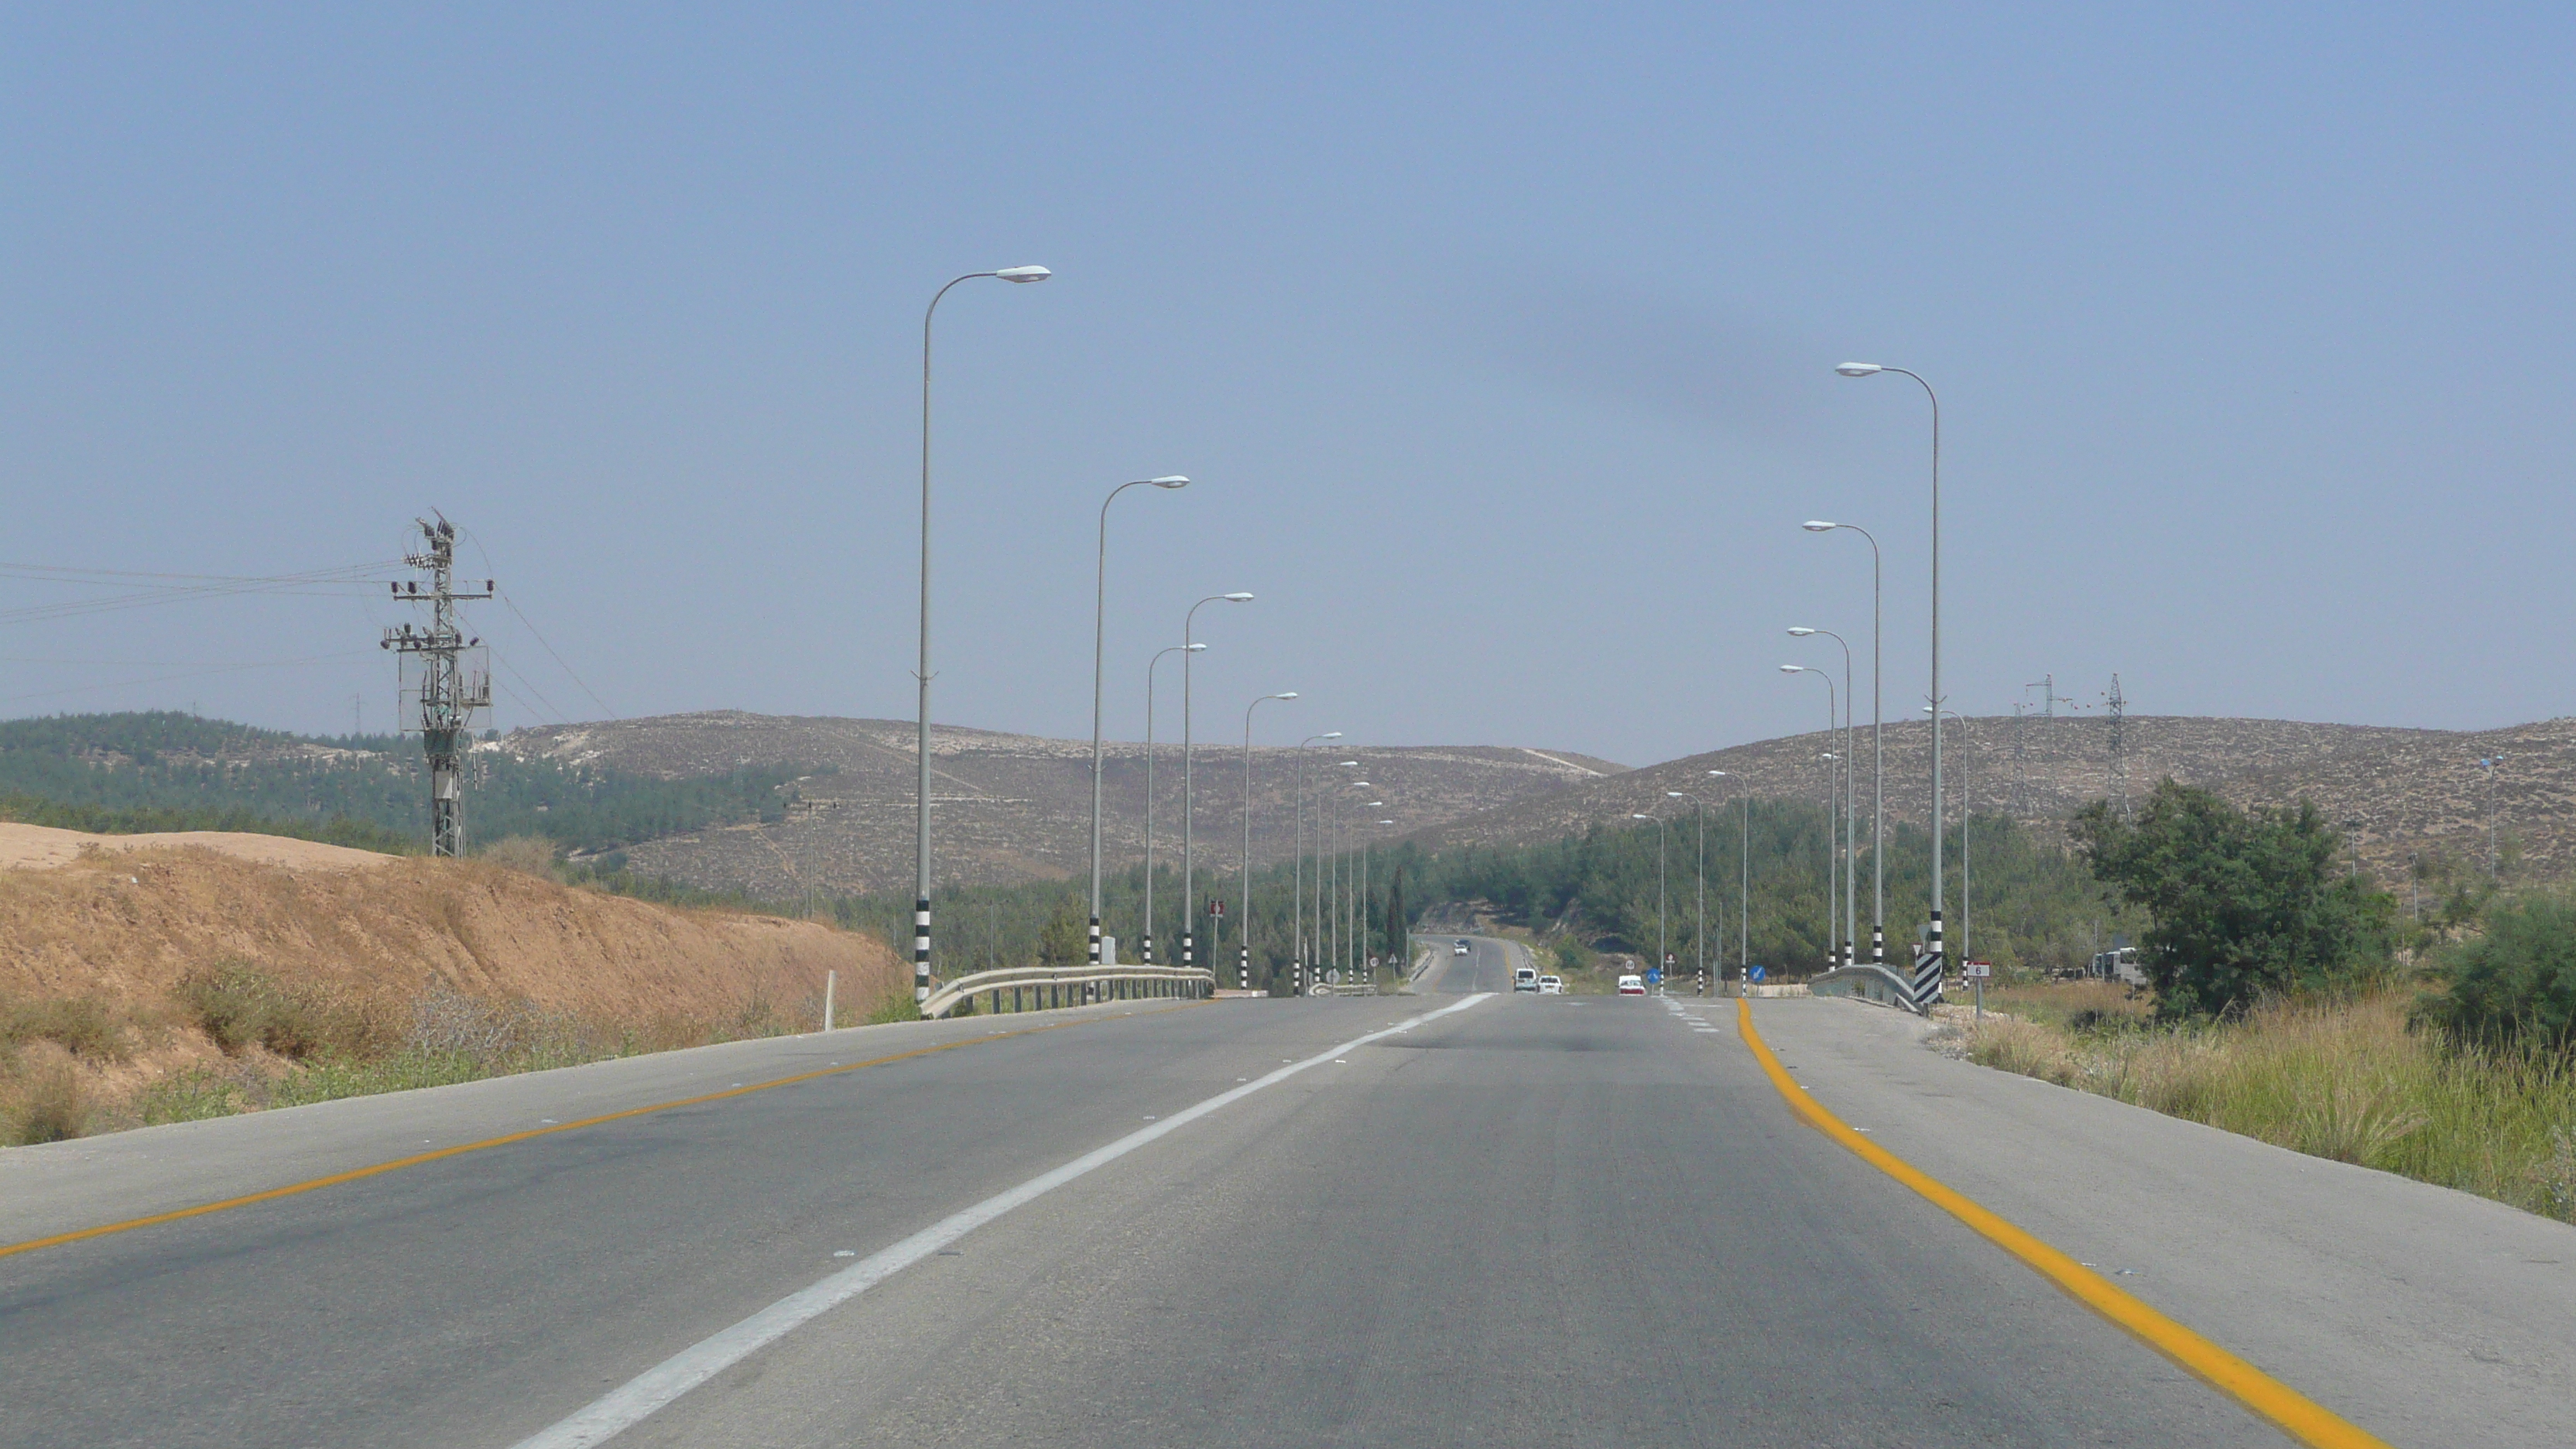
x,y
1523,1221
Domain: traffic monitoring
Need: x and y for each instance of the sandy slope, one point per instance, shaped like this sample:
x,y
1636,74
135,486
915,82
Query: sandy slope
x,y
124,918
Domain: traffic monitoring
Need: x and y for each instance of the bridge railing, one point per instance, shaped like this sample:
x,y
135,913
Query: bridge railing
x,y
1869,983
1044,988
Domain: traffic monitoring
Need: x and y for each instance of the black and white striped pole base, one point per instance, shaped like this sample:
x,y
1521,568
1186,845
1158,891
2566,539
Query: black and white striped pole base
x,y
921,950
1243,968
1927,970
1877,944
1147,943
1095,943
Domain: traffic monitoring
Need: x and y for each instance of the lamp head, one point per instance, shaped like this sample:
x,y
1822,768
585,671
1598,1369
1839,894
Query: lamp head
x,y
1192,648
1818,525
1170,480
1378,805
1859,369
1386,822
1292,694
1800,633
1673,794
1024,274
1717,772
1330,735
1346,762
1237,598
1639,815
1793,669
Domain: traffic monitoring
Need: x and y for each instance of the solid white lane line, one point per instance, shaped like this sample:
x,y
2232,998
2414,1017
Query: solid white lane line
x,y
622,1408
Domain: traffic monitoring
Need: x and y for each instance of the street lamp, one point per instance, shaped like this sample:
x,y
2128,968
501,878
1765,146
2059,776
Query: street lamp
x,y
1099,610
1189,794
1923,997
1243,932
1851,791
1699,810
1297,956
1877,750
1149,790
1337,888
1832,917
1743,888
921,796
1967,817
1663,937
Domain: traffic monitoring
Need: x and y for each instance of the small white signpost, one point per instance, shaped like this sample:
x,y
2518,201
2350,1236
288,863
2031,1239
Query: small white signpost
x,y
1977,972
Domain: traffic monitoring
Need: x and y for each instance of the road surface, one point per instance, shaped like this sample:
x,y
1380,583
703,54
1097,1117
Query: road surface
x,y
1528,1221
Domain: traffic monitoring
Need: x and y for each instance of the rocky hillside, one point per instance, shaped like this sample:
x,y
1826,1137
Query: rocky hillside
x,y
1011,807
2398,792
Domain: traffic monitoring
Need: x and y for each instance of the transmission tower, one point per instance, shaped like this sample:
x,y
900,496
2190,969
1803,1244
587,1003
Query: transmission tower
x,y
444,680
2119,781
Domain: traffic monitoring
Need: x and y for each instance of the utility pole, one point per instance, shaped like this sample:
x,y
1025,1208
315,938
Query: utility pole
x,y
2119,781
445,687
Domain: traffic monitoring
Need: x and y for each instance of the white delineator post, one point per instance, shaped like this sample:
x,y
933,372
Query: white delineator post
x,y
830,979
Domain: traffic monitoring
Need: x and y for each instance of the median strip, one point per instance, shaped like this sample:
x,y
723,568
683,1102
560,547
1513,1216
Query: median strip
x,y
2266,1397
418,1159
657,1387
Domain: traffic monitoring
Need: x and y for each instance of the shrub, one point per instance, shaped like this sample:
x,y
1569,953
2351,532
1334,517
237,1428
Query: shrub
x,y
80,1026
1572,956
238,1006
897,1006
2517,982
50,1108
531,854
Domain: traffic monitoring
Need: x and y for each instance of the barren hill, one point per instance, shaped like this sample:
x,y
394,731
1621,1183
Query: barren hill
x,y
1012,807
2410,791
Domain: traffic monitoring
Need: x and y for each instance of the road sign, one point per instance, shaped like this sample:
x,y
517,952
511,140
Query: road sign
x,y
1980,968
1372,963
1215,907
1755,973
1668,960
1654,976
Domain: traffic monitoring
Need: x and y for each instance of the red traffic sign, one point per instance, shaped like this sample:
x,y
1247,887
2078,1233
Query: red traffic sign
x,y
1215,907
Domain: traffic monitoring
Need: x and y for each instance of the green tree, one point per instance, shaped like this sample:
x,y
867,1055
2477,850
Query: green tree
x,y
1065,940
2516,982
1397,925
2243,904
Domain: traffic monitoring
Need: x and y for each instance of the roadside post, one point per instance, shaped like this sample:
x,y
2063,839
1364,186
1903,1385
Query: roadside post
x,y
830,979
1977,972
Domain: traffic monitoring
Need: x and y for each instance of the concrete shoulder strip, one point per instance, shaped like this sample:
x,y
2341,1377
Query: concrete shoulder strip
x,y
624,1407
2268,1398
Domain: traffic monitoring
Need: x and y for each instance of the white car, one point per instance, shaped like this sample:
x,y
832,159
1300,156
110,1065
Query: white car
x,y
1461,948
1632,986
1551,986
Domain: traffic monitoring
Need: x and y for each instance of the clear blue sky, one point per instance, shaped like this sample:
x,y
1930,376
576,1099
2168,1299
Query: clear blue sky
x,y
1499,341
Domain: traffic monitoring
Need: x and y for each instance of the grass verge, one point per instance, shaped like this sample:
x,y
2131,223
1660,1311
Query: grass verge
x,y
2347,1080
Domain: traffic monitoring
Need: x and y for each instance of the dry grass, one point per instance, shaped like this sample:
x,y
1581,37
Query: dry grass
x,y
2348,1080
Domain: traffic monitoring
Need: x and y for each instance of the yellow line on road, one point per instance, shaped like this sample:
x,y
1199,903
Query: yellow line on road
x,y
2292,1412
419,1158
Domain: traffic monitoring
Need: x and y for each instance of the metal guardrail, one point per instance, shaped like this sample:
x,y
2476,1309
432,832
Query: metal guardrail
x,y
1046,988
1346,988
1869,983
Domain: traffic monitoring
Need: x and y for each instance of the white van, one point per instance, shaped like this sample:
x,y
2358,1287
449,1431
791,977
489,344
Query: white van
x,y
1525,978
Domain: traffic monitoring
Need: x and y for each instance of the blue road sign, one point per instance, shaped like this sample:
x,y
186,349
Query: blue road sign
x,y
1754,973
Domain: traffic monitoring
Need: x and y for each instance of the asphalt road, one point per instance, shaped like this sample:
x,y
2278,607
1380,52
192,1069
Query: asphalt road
x,y
1531,1221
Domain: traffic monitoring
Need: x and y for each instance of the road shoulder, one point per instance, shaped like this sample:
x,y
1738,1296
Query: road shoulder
x,y
2426,1315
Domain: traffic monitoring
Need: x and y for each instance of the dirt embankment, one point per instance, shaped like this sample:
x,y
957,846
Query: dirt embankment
x,y
223,963
126,918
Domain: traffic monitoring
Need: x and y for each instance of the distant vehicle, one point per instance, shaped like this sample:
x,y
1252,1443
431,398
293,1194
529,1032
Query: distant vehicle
x,y
1632,986
2119,965
1525,978
1551,986
1461,948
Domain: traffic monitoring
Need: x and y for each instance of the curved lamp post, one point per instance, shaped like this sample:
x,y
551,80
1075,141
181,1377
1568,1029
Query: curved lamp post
x,y
1663,937
1872,369
1099,611
1149,791
1832,917
1189,794
921,798
1297,894
1243,932
1851,792
1877,751
1699,810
